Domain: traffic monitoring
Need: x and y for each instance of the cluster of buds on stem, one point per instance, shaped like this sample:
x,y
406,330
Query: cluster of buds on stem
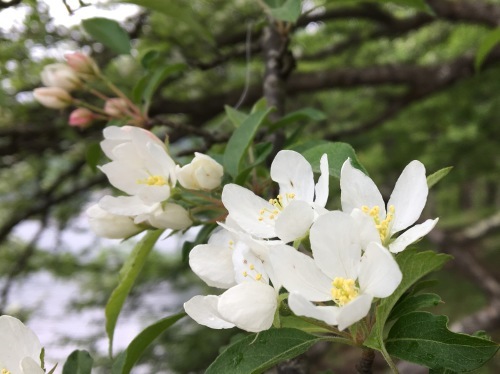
x,y
79,70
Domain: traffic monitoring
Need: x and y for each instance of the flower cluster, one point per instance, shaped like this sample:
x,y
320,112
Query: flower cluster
x,y
143,169
336,275
60,79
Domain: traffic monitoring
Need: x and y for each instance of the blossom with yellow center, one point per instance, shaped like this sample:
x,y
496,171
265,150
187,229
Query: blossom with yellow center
x,y
360,194
343,290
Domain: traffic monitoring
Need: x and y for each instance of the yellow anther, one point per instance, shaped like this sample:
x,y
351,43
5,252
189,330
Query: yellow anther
x,y
383,226
261,218
5,371
271,216
154,180
245,274
252,266
343,290
231,242
258,277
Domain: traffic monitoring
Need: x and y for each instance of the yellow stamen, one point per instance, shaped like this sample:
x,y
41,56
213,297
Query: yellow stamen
x,y
258,277
5,371
279,204
383,226
343,290
252,266
245,274
153,180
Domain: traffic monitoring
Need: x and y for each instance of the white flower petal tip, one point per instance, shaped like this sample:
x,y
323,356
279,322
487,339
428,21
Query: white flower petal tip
x,y
412,235
302,307
294,175
204,310
322,187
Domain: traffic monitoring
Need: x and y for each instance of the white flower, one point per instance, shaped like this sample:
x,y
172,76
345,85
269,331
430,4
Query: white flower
x,y
140,166
19,349
158,215
52,97
291,214
111,226
339,272
60,75
249,302
203,173
359,193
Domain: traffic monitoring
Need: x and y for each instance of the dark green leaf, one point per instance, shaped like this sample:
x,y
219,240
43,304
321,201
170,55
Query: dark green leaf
x,y
256,353
487,44
93,155
78,362
414,265
241,139
424,338
109,33
136,348
128,274
437,176
178,13
337,153
303,114
289,11
413,303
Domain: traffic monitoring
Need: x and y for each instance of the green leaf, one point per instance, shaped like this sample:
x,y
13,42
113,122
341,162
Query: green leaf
x,y
437,176
289,11
302,114
93,154
128,274
177,13
235,116
109,33
337,153
156,77
424,338
136,348
256,353
301,324
485,47
419,5
241,139
413,303
78,362
414,265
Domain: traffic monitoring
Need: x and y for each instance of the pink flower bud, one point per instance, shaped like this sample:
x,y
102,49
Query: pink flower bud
x,y
60,75
81,117
52,97
116,107
82,64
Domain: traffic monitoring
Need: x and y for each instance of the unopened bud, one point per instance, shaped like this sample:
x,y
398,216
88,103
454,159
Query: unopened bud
x,y
52,97
116,107
60,75
112,226
203,173
81,117
82,64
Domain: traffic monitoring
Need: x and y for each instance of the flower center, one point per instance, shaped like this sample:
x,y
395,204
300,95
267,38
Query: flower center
x,y
5,371
382,226
251,271
343,290
154,180
279,204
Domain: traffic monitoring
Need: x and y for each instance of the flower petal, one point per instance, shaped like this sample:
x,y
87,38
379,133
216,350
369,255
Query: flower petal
x,y
302,307
247,266
379,274
30,366
412,235
294,221
357,190
322,187
214,263
294,175
22,342
409,196
244,207
125,205
366,228
203,309
354,311
336,245
170,216
250,306
299,273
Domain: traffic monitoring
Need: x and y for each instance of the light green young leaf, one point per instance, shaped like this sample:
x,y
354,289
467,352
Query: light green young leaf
x,y
337,153
235,116
437,176
78,362
241,139
128,274
424,338
414,265
256,353
485,47
136,348
289,11
109,33
178,13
